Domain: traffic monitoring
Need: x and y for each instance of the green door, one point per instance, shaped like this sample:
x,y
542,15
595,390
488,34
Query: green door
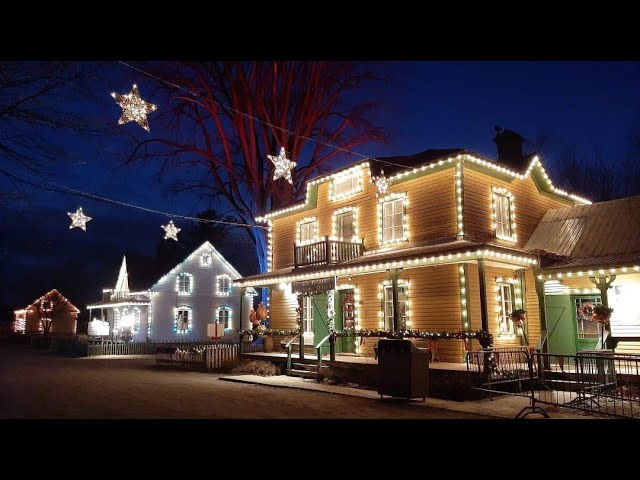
x,y
320,327
561,324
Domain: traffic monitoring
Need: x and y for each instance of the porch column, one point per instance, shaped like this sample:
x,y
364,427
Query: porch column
x,y
394,287
243,292
603,283
522,284
539,284
484,313
331,314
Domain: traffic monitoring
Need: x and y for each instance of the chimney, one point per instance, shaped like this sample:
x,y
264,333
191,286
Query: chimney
x,y
509,145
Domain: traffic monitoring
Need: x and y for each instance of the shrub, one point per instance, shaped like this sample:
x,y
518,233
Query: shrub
x,y
255,367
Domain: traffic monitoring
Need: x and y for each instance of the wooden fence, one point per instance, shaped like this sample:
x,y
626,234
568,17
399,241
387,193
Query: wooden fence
x,y
136,348
208,357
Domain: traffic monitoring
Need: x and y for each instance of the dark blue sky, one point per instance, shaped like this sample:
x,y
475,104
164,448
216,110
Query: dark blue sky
x,y
422,105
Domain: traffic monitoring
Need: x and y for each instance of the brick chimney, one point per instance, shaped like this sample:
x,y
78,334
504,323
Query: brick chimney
x,y
509,145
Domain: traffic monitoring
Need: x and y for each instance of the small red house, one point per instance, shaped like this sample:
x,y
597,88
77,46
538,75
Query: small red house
x,y
51,313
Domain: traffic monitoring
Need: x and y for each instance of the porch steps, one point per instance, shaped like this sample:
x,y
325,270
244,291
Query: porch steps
x,y
304,370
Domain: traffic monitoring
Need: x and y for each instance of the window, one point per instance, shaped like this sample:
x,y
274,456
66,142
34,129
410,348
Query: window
x,y
587,328
184,284
224,317
345,185
346,226
307,315
503,214
136,320
116,319
183,321
388,307
505,307
393,220
307,232
223,285
205,259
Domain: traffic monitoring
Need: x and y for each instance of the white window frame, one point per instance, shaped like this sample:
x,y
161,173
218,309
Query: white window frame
x,y
506,304
136,320
307,231
307,316
180,285
346,185
340,225
398,215
388,305
220,285
503,206
176,326
227,322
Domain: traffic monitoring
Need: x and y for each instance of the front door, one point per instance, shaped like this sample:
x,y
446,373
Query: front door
x,y
588,331
561,326
345,319
307,319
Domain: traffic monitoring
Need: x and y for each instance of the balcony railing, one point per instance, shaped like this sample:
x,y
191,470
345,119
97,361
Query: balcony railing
x,y
325,252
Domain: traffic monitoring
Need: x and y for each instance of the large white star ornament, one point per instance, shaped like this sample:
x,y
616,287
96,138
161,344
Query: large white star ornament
x,y
134,108
170,230
382,184
283,166
78,219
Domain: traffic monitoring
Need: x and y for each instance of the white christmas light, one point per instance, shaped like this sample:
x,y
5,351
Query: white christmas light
x,y
78,219
134,108
170,230
283,166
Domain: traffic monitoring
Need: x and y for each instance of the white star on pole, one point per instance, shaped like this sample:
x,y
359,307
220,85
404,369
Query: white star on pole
x,y
382,184
283,166
134,108
78,219
170,230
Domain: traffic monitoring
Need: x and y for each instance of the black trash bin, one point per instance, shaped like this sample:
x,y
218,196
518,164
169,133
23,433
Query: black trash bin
x,y
403,369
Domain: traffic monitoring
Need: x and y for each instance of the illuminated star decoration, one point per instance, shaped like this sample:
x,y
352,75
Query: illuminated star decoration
x,y
382,184
170,230
78,219
134,108
283,166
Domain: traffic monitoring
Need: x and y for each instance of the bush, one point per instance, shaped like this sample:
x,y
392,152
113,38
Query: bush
x,y
255,367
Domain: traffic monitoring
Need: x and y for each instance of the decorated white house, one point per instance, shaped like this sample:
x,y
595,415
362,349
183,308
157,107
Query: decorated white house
x,y
121,313
196,300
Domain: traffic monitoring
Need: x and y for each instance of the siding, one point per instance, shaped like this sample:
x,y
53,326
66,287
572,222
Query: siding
x,y
492,306
530,206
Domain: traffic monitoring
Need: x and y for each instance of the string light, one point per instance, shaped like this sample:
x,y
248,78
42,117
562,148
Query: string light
x,y
498,192
78,219
382,184
283,166
134,108
170,230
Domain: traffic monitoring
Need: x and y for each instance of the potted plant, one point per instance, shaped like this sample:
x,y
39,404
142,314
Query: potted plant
x,y
602,315
485,338
517,317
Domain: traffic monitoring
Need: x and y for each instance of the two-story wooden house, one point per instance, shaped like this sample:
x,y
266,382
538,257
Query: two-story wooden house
x,y
436,245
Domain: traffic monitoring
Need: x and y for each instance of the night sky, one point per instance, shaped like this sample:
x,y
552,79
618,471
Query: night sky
x,y
421,105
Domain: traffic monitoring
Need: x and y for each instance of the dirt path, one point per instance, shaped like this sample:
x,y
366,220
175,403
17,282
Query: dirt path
x,y
36,384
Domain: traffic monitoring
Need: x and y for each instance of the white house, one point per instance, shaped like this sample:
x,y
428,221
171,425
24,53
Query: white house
x,y
187,302
123,314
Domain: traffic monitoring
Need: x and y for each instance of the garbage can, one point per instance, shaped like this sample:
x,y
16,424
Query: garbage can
x,y
403,369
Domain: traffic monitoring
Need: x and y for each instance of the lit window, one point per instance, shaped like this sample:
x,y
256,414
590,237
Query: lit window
x,y
505,307
223,285
307,315
345,185
307,232
183,321
388,307
393,221
346,226
136,320
224,317
587,326
503,214
185,284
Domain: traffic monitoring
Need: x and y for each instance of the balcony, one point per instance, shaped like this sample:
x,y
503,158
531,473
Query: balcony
x,y
325,252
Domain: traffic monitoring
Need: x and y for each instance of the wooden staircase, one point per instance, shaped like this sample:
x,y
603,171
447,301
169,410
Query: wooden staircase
x,y
304,370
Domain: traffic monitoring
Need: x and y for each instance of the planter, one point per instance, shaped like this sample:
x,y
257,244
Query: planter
x,y
268,343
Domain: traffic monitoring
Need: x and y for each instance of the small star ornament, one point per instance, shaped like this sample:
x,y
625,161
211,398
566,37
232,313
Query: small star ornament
x,y
170,230
134,108
382,184
283,166
78,219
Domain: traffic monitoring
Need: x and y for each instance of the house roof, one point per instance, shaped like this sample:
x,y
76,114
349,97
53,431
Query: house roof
x,y
132,299
605,233
422,255
53,293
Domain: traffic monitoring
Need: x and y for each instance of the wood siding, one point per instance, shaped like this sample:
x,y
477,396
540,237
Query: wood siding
x,y
492,273
530,206
431,213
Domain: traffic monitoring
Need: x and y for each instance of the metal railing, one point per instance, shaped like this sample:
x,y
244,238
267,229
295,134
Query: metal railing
x,y
600,382
326,252
288,347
